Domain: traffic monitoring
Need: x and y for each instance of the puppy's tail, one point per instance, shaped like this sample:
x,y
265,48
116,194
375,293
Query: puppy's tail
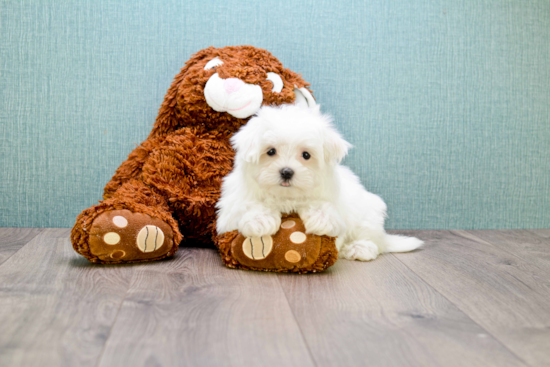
x,y
397,243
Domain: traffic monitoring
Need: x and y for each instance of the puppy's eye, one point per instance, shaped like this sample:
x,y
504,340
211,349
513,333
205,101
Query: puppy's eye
x,y
271,151
277,82
306,155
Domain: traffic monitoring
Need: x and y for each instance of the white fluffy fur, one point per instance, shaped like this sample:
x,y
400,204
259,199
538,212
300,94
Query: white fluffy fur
x,y
328,196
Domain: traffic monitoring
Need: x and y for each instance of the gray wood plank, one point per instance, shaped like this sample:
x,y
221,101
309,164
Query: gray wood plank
x,y
472,298
525,244
56,308
12,239
505,294
544,233
382,314
195,312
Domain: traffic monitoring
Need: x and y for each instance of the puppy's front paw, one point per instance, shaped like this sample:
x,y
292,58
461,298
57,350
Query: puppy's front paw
x,y
360,250
323,221
257,224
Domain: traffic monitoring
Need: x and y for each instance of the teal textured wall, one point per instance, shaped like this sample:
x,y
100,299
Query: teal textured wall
x,y
446,102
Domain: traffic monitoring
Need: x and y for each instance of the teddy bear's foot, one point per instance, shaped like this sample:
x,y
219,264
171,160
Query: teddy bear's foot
x,y
118,236
288,250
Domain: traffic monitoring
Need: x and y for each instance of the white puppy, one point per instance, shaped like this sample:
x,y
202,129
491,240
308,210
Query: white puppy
x,y
288,161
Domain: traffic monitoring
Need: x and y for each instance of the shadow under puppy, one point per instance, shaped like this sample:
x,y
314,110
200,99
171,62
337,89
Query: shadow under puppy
x,y
288,160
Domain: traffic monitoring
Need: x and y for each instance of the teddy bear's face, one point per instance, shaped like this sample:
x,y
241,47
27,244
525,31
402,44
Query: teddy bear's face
x,y
226,86
239,89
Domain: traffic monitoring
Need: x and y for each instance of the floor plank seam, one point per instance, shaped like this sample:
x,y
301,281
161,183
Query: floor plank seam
x,y
499,248
296,321
534,232
465,313
40,231
100,358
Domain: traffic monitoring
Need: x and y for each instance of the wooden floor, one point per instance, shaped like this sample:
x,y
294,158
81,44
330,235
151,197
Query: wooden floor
x,y
468,298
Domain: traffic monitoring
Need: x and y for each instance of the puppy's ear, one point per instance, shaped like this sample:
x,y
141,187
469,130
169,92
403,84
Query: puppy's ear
x,y
247,141
334,146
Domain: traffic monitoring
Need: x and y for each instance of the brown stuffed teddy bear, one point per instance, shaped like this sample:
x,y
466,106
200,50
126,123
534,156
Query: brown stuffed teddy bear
x,y
165,192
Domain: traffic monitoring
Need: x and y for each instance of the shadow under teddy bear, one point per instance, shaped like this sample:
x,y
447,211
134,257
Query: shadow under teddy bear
x,y
165,193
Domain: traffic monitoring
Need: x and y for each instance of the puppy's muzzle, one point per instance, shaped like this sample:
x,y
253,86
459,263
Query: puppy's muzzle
x,y
286,173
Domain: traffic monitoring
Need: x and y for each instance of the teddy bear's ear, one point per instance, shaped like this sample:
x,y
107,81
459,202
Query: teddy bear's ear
x,y
303,97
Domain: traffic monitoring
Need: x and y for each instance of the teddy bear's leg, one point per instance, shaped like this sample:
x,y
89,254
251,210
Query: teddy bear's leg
x,y
132,167
135,224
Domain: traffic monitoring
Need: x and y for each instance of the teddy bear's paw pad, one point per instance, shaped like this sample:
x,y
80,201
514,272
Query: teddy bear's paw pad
x,y
288,224
121,236
257,248
293,256
150,238
297,237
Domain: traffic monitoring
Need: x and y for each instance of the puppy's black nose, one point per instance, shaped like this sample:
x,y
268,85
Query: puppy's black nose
x,y
286,173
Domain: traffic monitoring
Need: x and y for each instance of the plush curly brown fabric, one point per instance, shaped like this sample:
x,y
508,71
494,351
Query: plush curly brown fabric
x,y
176,173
